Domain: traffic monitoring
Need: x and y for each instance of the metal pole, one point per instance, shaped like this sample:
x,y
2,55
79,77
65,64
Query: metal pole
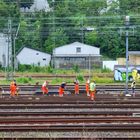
x,y
89,67
53,35
127,27
15,47
14,53
126,61
9,59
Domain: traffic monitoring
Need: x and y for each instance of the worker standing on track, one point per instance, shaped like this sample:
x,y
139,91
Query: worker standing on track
x,y
92,90
87,87
133,86
13,88
61,89
76,86
44,87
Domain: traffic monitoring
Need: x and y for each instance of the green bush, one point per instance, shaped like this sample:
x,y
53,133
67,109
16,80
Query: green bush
x,y
49,69
76,68
23,68
106,70
24,80
80,78
103,80
57,81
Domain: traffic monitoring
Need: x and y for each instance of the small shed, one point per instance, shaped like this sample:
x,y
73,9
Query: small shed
x,y
76,53
31,56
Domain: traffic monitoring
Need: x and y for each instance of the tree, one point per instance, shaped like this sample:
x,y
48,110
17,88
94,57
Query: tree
x,y
20,3
55,39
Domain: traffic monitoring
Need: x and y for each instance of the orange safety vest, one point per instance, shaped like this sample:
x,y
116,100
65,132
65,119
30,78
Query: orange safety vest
x,y
87,87
76,88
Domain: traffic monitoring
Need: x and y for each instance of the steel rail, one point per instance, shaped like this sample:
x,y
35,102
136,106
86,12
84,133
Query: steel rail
x,y
69,106
71,127
62,120
56,101
56,113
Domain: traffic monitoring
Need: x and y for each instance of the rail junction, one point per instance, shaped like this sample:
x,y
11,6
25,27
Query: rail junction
x,y
31,115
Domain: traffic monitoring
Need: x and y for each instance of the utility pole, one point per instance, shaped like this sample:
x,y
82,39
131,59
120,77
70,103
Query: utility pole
x,y
89,67
127,18
82,30
14,46
53,52
9,70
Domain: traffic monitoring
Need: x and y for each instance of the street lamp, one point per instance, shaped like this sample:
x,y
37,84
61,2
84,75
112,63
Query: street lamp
x,y
127,19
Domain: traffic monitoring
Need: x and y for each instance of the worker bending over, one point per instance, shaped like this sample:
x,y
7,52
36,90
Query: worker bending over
x,y
44,87
61,89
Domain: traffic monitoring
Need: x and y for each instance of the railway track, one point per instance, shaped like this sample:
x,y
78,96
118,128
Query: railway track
x,y
56,76
68,119
110,116
54,88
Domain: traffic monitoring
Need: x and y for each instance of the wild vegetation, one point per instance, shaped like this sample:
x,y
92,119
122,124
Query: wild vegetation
x,y
89,21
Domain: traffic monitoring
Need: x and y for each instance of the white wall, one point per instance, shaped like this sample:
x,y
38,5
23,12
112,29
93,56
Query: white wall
x,y
33,57
109,64
71,49
3,50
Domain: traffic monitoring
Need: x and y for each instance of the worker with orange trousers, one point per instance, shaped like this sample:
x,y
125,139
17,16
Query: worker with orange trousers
x,y
87,87
61,89
92,90
13,88
44,87
76,87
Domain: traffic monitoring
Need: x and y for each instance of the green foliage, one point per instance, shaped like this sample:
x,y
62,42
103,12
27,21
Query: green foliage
x,y
76,68
57,81
91,38
55,39
68,21
50,69
103,80
80,78
24,80
105,70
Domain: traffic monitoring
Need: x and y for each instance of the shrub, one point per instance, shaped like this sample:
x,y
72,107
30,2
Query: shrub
x,y
80,78
105,69
76,68
24,80
49,69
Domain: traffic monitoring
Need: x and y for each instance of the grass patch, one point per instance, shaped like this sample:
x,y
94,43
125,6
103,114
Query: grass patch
x,y
24,80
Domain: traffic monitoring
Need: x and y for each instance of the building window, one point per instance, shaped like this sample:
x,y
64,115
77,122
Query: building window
x,y
44,59
78,50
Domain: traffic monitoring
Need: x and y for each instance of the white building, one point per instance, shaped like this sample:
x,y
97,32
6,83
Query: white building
x,y
30,56
4,50
38,5
76,53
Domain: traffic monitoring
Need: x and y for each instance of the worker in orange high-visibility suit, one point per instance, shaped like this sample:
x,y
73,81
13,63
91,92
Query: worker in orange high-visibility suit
x,y
76,87
44,87
87,87
61,89
13,89
92,90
